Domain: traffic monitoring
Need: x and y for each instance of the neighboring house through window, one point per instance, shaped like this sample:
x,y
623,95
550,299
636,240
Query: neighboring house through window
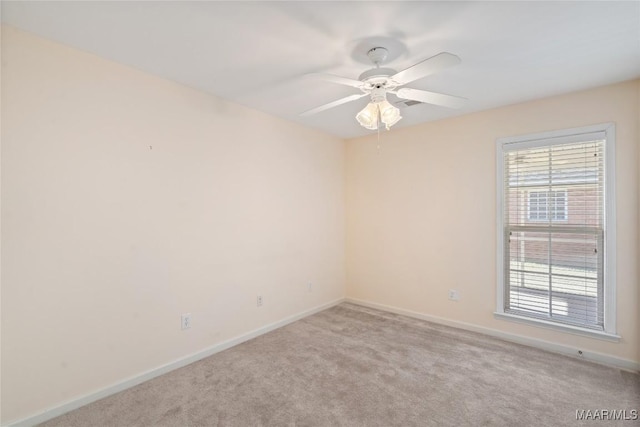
x,y
545,205
556,232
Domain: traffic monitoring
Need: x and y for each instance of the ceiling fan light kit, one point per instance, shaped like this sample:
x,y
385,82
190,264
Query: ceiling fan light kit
x,y
378,110
378,82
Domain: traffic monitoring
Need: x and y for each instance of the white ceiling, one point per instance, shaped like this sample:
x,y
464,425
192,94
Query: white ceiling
x,y
257,53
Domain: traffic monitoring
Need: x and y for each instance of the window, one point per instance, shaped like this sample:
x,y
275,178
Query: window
x,y
556,235
543,205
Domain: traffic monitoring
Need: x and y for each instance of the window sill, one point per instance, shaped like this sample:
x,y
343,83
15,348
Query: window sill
x,y
558,327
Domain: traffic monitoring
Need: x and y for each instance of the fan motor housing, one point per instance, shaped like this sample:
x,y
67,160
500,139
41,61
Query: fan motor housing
x,y
376,72
378,77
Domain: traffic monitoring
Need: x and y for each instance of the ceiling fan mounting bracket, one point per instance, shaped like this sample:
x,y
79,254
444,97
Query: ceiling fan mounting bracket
x,y
377,78
378,55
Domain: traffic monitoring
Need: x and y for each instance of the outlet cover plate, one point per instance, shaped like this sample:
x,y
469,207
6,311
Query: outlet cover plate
x,y
185,320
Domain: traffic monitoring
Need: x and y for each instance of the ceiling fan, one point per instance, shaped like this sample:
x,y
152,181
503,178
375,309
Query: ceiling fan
x,y
378,82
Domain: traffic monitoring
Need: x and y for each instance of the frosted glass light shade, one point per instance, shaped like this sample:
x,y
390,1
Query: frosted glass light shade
x,y
389,114
368,117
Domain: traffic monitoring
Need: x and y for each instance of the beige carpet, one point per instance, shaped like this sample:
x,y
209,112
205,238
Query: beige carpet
x,y
354,366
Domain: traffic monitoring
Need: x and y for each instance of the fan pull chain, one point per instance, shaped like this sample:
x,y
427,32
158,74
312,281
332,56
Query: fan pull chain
x,y
378,129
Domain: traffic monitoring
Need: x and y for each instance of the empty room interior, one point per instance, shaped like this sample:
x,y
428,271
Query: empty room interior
x,y
320,213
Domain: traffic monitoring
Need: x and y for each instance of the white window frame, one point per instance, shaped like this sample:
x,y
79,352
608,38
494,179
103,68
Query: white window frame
x,y
548,139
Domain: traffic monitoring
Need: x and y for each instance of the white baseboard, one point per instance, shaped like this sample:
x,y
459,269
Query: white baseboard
x,y
153,373
600,358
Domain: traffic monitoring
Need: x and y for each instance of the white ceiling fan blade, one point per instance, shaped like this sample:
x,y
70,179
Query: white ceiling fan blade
x,y
337,79
428,66
333,104
431,97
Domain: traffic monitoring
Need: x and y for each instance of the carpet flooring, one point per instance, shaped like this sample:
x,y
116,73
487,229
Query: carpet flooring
x,y
354,366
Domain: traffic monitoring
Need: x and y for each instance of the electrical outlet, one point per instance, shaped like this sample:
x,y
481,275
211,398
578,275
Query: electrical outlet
x,y
454,295
259,301
310,286
185,320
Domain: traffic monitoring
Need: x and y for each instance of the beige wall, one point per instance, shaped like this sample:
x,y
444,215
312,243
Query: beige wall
x,y
421,212
106,241
637,246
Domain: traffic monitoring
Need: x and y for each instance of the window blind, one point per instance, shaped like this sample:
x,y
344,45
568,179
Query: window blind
x,y
554,230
